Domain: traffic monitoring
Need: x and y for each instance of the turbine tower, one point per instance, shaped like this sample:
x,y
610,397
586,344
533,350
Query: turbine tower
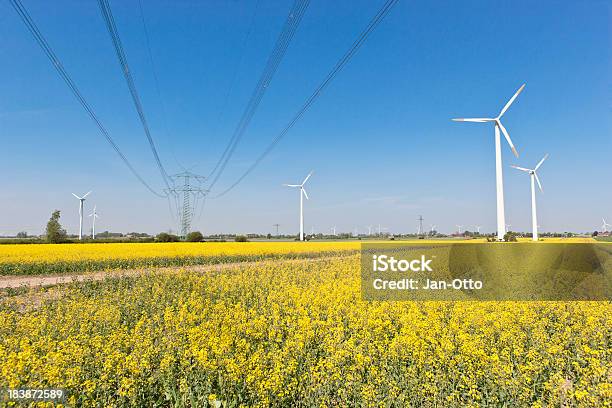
x,y
94,215
302,195
501,217
81,201
534,178
459,228
478,227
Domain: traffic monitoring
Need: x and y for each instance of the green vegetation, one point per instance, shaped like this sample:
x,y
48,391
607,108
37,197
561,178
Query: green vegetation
x,y
194,236
165,237
55,232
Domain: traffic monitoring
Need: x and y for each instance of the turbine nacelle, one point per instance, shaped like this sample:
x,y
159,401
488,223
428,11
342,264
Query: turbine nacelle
x,y
497,120
301,186
533,172
82,198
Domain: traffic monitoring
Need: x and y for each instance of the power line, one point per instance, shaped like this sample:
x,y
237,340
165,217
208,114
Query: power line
x,y
114,34
234,76
282,43
154,69
42,42
380,15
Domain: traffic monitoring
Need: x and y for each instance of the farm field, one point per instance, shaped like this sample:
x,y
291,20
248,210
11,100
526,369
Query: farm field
x,y
67,258
286,332
34,259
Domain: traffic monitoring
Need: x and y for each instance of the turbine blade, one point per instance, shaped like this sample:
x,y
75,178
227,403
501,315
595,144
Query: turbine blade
x,y
541,161
479,120
510,101
305,195
507,136
307,177
76,196
520,168
538,180
291,185
89,192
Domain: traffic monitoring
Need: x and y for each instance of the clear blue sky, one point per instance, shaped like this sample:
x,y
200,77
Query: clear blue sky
x,y
380,138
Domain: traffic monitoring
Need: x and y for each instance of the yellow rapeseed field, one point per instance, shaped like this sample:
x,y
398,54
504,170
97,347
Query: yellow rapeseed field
x,y
61,258
298,334
77,252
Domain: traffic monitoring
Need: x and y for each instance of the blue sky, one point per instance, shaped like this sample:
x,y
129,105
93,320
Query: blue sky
x,y
379,139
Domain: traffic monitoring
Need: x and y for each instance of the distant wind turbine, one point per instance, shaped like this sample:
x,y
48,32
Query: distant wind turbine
x,y
478,227
94,215
533,175
501,217
459,228
302,195
432,229
81,201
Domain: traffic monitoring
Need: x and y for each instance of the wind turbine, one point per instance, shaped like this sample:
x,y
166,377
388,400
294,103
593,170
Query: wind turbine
x,y
94,215
534,178
302,195
432,229
501,218
81,201
459,228
333,229
478,227
605,225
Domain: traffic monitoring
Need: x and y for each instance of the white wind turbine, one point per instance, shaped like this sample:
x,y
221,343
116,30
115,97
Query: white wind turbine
x,y
459,228
94,215
501,218
605,225
81,201
302,195
432,229
534,178
478,227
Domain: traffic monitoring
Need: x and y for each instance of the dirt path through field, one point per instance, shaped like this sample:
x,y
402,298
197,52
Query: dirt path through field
x,y
51,280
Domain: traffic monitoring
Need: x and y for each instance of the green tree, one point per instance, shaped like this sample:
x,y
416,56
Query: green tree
x,y
55,232
194,236
510,237
240,238
165,237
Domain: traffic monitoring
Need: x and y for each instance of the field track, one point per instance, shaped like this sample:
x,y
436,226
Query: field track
x,y
7,282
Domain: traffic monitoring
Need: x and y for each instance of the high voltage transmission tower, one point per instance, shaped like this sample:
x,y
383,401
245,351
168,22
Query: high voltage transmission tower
x,y
188,191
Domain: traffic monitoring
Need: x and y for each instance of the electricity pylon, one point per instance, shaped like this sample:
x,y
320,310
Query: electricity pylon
x,y
420,219
187,187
